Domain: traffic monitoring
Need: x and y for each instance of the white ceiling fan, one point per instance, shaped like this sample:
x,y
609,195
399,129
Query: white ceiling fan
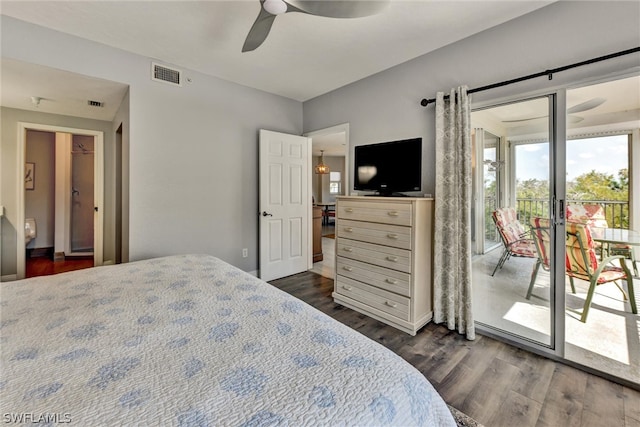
x,y
584,106
269,9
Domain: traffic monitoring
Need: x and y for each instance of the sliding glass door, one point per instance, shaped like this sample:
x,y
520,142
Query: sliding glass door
x,y
567,160
513,281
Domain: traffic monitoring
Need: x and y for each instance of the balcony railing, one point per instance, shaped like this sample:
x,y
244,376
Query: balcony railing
x,y
616,212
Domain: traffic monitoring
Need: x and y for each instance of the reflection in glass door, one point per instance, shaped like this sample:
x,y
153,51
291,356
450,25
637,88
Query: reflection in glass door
x,y
487,189
491,187
518,300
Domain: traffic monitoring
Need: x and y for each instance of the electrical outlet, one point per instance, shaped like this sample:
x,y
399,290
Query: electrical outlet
x,y
245,253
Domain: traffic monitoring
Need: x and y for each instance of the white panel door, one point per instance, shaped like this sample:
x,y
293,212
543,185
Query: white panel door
x,y
285,204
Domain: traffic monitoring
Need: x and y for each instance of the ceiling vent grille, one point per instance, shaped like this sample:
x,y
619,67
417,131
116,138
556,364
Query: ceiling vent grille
x,y
95,103
162,73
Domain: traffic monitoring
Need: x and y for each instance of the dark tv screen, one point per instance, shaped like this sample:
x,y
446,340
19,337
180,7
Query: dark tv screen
x,y
389,167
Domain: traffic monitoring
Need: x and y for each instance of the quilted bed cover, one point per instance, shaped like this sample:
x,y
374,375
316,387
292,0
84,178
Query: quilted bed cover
x,y
189,341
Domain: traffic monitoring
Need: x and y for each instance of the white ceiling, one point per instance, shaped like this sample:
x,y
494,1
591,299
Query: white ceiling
x,y
619,111
62,92
304,56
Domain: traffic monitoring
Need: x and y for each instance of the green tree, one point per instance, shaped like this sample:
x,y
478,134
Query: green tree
x,y
532,189
600,186
533,197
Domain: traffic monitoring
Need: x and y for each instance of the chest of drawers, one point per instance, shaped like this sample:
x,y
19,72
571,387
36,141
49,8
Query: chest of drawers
x,y
384,259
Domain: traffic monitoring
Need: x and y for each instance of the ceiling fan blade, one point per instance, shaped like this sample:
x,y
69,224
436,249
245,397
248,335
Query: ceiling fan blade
x,y
339,8
332,9
587,105
259,31
524,120
571,119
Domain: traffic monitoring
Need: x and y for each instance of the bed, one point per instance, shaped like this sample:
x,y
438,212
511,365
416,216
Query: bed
x,y
191,340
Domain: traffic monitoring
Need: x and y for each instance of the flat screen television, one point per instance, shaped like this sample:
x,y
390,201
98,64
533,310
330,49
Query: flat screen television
x,y
389,168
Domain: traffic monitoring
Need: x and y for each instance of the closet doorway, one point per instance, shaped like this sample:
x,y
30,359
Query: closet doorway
x,y
65,197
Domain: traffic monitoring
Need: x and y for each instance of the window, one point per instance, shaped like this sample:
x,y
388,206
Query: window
x,y
334,182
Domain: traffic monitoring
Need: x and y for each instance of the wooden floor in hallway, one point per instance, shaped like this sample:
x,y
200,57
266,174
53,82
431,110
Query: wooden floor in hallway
x,y
45,266
493,382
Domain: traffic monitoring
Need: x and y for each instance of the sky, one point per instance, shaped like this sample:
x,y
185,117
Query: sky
x,y
605,154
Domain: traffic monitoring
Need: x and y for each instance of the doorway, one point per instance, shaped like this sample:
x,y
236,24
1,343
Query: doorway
x,y
71,193
331,147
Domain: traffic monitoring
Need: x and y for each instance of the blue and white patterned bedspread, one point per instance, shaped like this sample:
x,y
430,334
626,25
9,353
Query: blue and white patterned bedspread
x,y
190,341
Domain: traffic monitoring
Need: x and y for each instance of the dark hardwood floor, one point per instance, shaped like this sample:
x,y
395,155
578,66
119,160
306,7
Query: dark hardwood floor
x,y
493,382
44,266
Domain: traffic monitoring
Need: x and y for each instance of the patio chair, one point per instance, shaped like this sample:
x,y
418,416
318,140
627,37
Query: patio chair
x,y
582,263
594,216
542,240
513,236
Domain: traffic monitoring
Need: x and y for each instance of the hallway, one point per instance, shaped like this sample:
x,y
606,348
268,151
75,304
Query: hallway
x,y
44,266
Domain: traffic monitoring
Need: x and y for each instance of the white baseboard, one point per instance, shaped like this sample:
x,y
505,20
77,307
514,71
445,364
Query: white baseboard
x,y
9,278
253,273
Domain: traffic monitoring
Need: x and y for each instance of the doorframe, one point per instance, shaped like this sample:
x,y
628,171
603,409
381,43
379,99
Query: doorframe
x,y
98,185
344,127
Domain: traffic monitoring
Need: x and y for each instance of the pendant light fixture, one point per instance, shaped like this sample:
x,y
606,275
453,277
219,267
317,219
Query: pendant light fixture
x,y
321,168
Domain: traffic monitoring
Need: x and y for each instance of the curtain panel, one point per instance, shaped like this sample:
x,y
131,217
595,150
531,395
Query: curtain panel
x,y
452,240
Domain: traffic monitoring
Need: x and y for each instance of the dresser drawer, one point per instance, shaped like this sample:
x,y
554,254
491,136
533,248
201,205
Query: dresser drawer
x,y
390,303
382,234
380,277
381,212
384,256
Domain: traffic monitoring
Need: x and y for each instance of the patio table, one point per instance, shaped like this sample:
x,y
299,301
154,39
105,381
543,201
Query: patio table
x,y
616,236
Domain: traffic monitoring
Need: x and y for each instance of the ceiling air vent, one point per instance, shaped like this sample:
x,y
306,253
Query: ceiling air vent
x,y
95,103
162,73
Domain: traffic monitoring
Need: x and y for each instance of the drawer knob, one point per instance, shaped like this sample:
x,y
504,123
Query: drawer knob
x,y
346,288
347,268
391,304
347,249
393,213
348,229
348,210
392,258
392,281
392,236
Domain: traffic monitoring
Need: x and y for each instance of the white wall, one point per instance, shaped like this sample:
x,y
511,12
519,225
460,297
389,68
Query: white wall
x,y
193,149
386,106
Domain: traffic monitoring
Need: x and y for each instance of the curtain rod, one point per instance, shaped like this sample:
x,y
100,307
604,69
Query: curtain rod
x,y
548,73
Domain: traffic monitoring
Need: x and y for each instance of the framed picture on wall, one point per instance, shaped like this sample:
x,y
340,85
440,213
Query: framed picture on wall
x,y
29,176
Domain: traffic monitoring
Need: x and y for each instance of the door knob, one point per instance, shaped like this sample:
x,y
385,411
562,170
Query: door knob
x,y
266,214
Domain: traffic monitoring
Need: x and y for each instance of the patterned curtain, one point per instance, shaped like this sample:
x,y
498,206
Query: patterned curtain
x,y
452,242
